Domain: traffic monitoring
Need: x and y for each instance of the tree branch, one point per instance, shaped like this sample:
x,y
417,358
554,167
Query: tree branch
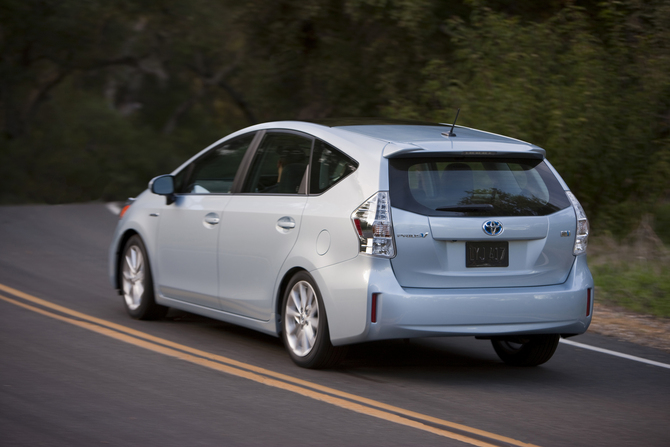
x,y
218,80
40,95
240,101
180,111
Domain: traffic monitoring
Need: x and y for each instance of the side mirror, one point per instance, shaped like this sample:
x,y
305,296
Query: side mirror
x,y
163,185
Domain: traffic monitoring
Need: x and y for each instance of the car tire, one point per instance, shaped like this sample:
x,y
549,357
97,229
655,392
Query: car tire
x,y
137,286
526,350
305,325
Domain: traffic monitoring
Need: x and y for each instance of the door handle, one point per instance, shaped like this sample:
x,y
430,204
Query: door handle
x,y
286,223
212,219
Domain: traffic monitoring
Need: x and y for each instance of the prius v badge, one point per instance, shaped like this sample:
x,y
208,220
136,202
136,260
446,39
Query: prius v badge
x,y
492,227
420,235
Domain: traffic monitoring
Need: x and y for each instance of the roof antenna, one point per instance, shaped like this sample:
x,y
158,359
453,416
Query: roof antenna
x,y
451,131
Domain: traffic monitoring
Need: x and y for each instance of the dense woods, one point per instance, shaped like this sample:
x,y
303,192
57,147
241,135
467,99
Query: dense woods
x,y
96,97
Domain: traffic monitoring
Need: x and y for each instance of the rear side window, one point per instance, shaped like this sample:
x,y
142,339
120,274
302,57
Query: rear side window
x,y
475,187
329,166
280,165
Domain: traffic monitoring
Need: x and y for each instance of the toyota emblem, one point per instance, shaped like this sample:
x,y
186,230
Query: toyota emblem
x,y
492,227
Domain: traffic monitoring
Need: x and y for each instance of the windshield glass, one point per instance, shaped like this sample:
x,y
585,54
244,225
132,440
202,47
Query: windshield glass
x,y
475,187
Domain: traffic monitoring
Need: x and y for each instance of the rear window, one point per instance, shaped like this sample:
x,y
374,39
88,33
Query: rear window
x,y
475,187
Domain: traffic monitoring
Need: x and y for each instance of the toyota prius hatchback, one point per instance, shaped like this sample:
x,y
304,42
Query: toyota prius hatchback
x,y
349,231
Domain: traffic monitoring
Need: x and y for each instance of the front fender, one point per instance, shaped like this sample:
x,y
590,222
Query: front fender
x,y
141,218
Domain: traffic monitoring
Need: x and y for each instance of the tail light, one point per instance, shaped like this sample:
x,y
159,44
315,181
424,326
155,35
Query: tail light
x,y
372,221
582,236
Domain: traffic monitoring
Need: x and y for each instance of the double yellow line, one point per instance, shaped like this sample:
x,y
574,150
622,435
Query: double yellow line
x,y
267,377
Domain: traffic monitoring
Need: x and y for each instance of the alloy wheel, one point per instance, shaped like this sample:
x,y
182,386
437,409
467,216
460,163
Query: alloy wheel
x,y
301,321
133,277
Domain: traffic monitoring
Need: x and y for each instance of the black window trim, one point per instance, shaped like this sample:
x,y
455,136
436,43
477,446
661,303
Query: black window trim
x,y
188,169
251,154
247,160
245,165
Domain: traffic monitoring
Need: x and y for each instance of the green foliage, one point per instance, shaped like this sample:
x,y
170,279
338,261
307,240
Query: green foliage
x,y
640,288
82,150
96,97
595,104
662,222
59,162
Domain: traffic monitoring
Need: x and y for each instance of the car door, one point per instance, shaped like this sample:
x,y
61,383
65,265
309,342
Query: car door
x,y
188,230
261,224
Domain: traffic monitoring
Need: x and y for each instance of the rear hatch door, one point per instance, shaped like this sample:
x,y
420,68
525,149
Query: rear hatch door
x,y
473,222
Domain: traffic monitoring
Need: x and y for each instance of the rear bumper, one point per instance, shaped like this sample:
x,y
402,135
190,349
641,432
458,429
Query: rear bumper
x,y
415,312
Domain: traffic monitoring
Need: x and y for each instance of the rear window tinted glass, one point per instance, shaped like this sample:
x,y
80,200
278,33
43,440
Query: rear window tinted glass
x,y
475,187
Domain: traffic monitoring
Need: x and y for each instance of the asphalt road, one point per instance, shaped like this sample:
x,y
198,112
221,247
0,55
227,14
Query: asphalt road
x,y
86,374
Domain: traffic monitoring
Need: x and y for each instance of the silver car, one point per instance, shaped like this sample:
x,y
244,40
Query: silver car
x,y
349,231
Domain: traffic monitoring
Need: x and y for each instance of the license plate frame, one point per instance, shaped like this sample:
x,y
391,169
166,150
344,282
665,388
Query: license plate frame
x,y
486,254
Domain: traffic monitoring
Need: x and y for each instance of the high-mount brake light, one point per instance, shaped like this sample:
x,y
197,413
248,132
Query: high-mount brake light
x,y
372,221
582,236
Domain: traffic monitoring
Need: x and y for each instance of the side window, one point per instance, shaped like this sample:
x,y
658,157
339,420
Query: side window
x,y
280,165
214,172
329,166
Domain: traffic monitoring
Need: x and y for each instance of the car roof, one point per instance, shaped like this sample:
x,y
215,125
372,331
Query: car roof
x,y
395,138
371,138
416,136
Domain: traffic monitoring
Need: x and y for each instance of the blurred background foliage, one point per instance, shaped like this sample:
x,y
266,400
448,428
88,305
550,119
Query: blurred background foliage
x,y
97,97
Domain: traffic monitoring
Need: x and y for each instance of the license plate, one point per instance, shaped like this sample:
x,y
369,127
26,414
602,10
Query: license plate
x,y
487,254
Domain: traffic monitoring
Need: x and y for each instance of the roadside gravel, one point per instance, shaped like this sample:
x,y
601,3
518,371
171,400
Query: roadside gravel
x,y
629,326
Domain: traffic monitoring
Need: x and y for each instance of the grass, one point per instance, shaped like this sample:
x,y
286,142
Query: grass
x,y
636,286
633,273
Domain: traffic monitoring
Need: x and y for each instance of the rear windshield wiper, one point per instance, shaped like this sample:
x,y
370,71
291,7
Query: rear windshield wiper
x,y
474,207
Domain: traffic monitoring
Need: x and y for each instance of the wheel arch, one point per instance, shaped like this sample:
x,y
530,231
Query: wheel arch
x,y
321,353
280,293
117,263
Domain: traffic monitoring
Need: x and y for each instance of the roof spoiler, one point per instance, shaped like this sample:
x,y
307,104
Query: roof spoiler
x,y
410,150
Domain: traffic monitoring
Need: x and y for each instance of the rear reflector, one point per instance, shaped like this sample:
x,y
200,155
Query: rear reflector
x,y
373,310
357,223
123,211
126,206
588,302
